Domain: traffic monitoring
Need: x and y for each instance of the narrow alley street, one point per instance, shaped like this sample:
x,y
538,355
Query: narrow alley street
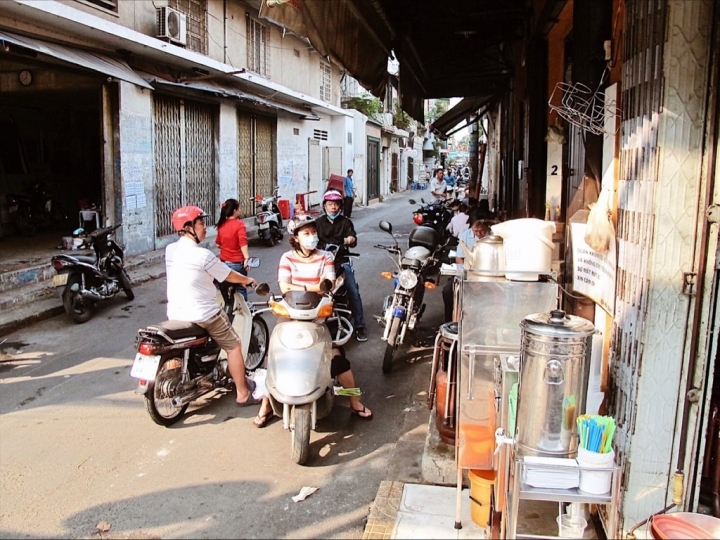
x,y
77,447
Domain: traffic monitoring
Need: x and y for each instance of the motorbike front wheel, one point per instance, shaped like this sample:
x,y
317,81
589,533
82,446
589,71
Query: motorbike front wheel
x,y
391,344
257,348
126,285
158,399
300,432
79,308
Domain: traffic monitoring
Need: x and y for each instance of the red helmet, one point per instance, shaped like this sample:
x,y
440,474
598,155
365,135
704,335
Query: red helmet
x,y
186,215
332,195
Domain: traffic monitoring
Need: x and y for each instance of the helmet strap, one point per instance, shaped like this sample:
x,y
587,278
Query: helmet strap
x,y
192,233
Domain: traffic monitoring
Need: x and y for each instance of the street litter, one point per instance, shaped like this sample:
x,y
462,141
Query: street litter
x,y
349,392
103,527
305,492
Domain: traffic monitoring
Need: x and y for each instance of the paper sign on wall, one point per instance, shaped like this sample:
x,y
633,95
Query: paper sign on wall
x,y
593,272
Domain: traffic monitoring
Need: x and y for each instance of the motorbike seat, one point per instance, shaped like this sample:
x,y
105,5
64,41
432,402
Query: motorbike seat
x,y
176,330
89,259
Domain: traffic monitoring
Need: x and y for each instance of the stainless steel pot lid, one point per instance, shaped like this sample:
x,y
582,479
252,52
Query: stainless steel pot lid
x,y
558,324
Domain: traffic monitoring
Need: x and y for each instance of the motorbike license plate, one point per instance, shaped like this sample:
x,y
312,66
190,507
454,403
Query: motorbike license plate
x,y
263,226
145,367
59,280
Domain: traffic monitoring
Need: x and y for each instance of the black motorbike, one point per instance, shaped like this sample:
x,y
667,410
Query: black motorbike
x,y
84,280
403,309
342,322
435,215
178,362
35,211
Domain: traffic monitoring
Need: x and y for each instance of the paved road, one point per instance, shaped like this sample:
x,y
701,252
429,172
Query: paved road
x,y
77,447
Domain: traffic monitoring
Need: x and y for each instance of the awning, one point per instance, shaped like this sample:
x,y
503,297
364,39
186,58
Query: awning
x,y
226,89
466,108
90,60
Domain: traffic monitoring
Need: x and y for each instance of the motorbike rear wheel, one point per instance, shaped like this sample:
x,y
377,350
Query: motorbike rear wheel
x,y
257,348
126,285
273,235
300,432
79,308
158,402
391,345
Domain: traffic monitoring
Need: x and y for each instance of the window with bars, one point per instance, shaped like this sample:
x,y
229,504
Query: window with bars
x,y
196,11
325,82
257,47
110,5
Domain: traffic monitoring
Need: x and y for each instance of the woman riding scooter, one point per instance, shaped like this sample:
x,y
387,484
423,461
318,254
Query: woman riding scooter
x,y
302,269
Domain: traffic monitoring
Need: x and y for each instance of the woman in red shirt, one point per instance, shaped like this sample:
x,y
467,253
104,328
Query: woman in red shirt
x,y
232,239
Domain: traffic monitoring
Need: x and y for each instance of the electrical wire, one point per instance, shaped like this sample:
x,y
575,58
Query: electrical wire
x,y
563,289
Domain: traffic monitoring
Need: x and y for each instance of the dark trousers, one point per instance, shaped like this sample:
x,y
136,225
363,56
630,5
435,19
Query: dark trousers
x,y
448,299
347,206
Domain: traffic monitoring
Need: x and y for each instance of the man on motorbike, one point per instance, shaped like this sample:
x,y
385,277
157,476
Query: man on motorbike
x,y
191,292
438,187
302,269
335,228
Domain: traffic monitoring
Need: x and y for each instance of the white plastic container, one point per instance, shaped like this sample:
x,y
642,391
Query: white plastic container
x,y
595,482
570,526
528,247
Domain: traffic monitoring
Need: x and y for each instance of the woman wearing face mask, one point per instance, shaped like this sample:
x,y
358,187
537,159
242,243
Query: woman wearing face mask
x,y
302,269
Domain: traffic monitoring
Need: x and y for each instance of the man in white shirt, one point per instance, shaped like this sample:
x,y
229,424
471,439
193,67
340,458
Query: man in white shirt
x,y
459,222
438,187
191,292
479,229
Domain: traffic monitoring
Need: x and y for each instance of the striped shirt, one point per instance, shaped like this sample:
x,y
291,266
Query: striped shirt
x,y
303,272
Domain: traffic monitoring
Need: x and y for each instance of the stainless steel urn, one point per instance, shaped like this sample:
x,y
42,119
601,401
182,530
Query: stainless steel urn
x,y
554,371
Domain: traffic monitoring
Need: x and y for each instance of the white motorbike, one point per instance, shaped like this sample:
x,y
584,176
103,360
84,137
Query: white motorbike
x,y
268,218
298,379
177,362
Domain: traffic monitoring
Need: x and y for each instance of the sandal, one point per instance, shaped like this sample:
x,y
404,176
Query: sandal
x,y
250,399
260,421
360,413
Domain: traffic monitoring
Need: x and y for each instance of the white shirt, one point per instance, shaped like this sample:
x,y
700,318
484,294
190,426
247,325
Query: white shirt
x,y
468,238
437,187
190,272
458,224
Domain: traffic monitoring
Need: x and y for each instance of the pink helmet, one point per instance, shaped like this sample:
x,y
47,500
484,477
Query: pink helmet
x,y
186,215
298,222
332,195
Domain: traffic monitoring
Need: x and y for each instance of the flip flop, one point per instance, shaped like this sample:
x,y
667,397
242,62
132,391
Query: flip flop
x,y
359,413
250,399
261,421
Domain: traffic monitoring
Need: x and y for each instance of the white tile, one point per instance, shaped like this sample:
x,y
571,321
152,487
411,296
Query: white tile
x,y
430,500
410,525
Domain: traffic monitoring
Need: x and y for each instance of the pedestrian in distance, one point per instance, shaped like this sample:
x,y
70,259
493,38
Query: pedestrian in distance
x,y
438,187
232,240
349,199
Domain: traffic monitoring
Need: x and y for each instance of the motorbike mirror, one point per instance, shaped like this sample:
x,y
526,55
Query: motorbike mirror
x,y
412,201
325,285
263,289
253,262
385,226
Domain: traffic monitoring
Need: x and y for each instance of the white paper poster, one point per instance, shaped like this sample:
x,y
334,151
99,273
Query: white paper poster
x,y
593,272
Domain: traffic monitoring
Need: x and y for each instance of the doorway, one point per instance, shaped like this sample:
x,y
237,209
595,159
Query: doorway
x,y
373,177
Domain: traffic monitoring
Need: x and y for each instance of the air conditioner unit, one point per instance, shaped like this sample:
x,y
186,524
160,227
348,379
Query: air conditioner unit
x,y
172,25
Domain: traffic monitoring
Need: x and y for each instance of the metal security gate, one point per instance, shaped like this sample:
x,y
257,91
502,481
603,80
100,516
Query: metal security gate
x,y
256,159
641,105
185,137
373,173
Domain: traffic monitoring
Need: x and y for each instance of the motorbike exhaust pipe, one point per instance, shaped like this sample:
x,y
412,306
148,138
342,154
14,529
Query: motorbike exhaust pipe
x,y
204,386
91,295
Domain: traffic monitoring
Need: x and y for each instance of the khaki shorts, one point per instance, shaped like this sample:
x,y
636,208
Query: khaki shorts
x,y
219,327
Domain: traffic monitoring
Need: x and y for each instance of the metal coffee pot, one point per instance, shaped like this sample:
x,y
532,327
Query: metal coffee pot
x,y
487,257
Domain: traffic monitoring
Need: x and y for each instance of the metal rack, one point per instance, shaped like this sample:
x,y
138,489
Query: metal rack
x,y
491,312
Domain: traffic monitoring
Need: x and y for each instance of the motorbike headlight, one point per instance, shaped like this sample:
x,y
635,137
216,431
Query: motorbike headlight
x,y
407,279
296,338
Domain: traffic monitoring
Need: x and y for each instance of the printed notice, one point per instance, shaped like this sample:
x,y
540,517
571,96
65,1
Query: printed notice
x,y
593,272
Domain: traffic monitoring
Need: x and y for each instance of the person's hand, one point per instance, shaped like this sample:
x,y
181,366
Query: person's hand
x,y
252,282
349,240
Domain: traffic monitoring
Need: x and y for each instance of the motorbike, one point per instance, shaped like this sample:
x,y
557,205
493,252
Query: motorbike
x,y
403,309
298,380
435,215
268,218
178,362
342,318
84,280
36,211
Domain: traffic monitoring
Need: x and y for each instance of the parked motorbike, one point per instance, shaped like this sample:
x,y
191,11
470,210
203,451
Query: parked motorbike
x,y
298,379
36,211
178,362
435,215
84,280
403,309
268,218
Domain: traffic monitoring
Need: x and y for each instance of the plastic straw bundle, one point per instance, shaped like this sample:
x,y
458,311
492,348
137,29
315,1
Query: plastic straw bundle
x,y
596,432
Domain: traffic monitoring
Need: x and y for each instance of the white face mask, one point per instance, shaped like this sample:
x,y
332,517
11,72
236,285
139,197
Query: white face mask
x,y
309,242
